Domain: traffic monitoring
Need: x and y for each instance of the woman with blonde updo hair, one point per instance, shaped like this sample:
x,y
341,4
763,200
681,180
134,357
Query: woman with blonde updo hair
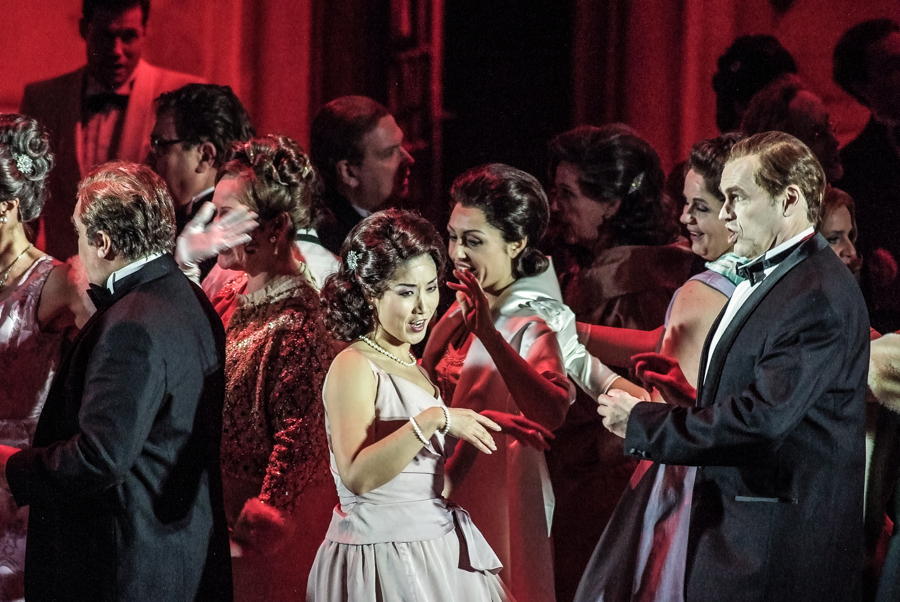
x,y
274,450
40,305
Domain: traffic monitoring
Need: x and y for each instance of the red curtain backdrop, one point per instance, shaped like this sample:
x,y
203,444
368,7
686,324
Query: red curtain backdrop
x,y
649,63
262,49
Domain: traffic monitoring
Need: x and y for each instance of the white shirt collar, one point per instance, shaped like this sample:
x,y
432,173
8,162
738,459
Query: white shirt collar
x,y
201,194
790,242
361,211
129,269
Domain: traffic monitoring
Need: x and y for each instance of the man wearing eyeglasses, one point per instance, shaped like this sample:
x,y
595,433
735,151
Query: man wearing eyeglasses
x,y
97,113
195,126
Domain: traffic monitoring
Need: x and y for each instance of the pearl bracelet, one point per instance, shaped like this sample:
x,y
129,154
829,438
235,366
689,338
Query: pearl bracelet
x,y
446,428
418,431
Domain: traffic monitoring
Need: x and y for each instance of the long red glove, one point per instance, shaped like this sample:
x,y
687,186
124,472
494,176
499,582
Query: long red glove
x,y
527,432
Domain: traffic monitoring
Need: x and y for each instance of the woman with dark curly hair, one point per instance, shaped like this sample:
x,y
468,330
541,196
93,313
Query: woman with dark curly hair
x,y
274,447
394,535
40,304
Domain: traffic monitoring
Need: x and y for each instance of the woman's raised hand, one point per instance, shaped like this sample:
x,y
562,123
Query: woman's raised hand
x,y
475,307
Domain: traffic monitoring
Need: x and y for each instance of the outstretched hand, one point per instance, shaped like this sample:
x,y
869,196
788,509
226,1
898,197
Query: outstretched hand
x,y
202,239
525,431
664,373
475,307
472,427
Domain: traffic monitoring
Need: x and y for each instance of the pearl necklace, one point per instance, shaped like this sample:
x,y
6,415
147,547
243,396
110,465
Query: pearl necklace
x,y
9,268
381,349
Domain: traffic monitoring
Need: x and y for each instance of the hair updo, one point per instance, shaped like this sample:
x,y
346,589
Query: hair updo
x,y
23,141
279,178
617,165
379,245
514,203
708,158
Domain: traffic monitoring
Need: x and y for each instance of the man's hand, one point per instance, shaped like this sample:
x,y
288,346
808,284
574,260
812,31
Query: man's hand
x,y
5,453
615,407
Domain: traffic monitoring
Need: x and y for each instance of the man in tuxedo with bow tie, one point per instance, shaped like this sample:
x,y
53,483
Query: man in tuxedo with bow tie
x,y
97,113
777,428
123,480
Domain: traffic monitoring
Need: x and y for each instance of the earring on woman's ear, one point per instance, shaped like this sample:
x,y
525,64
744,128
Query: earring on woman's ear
x,y
3,219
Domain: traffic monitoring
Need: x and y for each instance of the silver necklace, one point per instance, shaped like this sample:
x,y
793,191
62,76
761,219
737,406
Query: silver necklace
x,y
381,349
9,268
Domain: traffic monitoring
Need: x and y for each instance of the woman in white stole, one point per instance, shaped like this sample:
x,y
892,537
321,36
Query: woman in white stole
x,y
492,351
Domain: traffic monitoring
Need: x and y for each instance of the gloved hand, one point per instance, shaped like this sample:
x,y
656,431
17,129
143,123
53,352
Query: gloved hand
x,y
523,430
202,239
260,528
664,373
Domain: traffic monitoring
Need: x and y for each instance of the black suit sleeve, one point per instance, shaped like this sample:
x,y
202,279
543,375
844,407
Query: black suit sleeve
x,y
124,388
806,345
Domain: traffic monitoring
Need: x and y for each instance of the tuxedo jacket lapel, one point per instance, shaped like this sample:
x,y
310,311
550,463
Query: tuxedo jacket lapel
x,y
707,391
138,119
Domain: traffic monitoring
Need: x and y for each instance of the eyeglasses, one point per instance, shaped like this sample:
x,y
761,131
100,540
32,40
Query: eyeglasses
x,y
157,144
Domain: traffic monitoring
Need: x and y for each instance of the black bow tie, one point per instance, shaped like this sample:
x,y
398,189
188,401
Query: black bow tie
x,y
755,271
104,102
100,295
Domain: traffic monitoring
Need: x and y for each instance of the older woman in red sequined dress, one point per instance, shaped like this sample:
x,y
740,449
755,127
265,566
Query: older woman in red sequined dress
x,y
278,491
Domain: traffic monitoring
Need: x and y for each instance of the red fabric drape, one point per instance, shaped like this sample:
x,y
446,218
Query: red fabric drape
x,y
649,63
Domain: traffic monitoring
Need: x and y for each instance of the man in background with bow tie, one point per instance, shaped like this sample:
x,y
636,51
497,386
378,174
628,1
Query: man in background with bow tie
x,y
777,426
100,112
123,480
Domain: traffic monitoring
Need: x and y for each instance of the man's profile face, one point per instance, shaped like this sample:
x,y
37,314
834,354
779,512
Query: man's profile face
x,y
752,217
882,90
114,41
384,170
175,162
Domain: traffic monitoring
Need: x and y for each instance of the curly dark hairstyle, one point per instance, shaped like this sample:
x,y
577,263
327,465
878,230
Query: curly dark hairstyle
x,y
708,158
745,68
850,62
381,243
90,7
337,131
514,203
616,165
132,205
22,136
279,178
207,113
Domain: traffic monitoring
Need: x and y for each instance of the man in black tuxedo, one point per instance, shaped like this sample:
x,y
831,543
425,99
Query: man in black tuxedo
x,y
357,148
123,480
777,428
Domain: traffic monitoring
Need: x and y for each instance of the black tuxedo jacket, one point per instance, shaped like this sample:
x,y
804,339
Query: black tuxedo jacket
x,y
123,481
778,436
335,217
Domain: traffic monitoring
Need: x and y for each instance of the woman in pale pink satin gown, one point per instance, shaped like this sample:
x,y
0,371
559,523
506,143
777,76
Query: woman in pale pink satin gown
x,y
39,306
394,535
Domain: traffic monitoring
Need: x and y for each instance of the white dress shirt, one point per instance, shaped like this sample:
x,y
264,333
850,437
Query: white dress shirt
x,y
743,292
